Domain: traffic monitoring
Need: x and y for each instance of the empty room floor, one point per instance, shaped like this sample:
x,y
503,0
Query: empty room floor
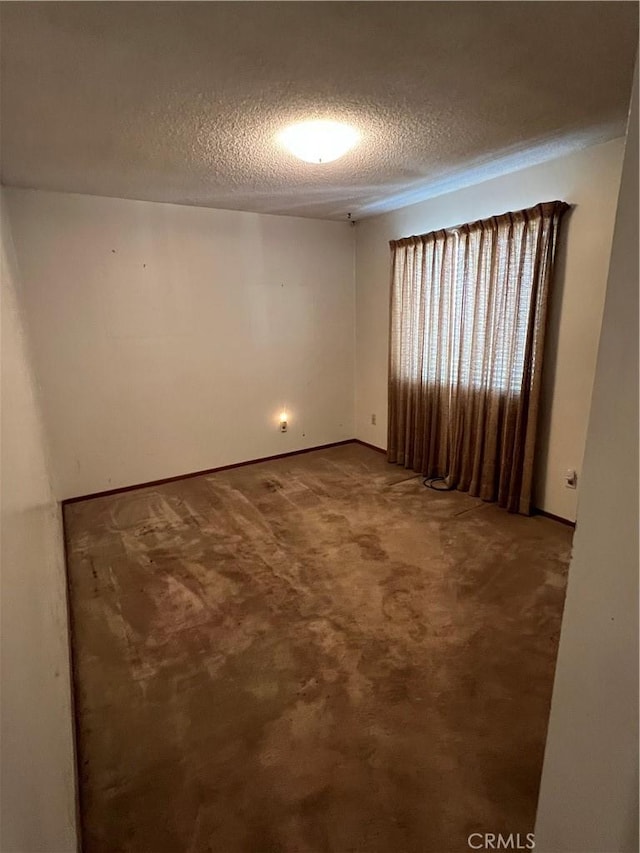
x,y
309,654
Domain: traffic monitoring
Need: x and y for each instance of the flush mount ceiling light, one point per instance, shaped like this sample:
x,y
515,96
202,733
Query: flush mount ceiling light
x,y
319,141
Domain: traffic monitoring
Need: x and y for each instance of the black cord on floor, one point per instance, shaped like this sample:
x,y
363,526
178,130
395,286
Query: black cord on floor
x,y
429,482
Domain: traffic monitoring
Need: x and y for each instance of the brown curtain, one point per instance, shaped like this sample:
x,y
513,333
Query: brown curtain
x,y
468,315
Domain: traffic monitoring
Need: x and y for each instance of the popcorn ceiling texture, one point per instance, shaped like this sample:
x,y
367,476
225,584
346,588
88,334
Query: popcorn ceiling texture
x,y
180,102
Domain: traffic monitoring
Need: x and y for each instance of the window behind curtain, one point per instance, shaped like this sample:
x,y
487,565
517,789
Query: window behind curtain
x,y
468,311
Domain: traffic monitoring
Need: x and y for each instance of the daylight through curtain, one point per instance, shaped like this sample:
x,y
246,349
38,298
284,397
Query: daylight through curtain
x,y
468,315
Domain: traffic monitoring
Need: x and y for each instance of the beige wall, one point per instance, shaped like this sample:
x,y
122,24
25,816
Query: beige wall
x,y
167,338
155,321
37,784
588,179
589,791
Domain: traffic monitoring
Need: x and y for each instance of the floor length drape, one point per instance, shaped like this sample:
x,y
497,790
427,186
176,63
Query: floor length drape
x,y
467,326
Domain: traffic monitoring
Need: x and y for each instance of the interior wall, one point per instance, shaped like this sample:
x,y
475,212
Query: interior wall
x,y
588,179
589,790
37,769
167,339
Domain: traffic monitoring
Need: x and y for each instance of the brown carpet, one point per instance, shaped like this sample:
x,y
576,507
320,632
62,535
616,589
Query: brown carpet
x,y
310,654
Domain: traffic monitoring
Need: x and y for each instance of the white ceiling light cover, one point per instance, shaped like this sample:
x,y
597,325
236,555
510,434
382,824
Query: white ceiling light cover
x,y
319,141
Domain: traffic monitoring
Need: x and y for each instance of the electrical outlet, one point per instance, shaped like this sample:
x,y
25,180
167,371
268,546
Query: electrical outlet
x,y
373,420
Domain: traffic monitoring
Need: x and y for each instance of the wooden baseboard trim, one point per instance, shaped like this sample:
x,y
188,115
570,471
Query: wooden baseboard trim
x,y
191,474
553,517
370,446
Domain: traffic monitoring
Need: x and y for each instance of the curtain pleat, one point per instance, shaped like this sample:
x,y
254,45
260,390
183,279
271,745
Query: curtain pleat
x,y
467,323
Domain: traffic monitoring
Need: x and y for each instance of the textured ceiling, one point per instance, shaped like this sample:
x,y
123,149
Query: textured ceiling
x,y
180,102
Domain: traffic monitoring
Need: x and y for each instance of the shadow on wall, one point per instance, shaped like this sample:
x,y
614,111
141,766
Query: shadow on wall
x,y
550,364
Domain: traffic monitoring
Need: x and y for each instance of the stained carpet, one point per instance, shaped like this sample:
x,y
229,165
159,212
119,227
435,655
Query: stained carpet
x,y
310,654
